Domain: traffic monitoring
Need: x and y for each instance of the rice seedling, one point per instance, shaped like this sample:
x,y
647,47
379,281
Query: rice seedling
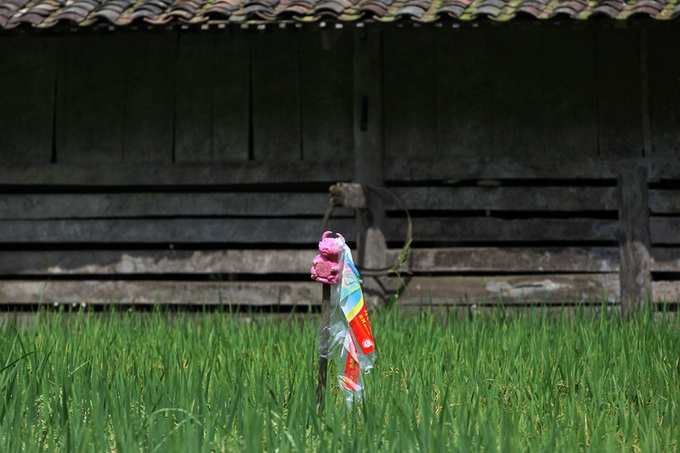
x,y
219,382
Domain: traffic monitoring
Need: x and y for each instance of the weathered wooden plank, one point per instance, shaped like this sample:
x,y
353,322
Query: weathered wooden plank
x,y
634,241
231,98
175,175
325,87
441,260
569,66
369,149
155,262
662,168
27,75
585,198
664,230
469,169
158,204
466,169
369,154
512,259
149,100
557,311
298,261
184,230
510,290
463,102
94,100
491,229
159,292
620,92
409,92
664,201
518,110
666,291
276,97
664,73
665,259
193,107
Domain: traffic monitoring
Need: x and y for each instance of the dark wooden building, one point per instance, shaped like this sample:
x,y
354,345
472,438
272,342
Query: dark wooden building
x,y
181,152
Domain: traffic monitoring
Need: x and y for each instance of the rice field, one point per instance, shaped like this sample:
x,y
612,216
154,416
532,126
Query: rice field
x,y
220,382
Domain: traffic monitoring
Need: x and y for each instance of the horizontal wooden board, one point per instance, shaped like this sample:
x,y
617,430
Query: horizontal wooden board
x,y
466,169
159,292
246,231
492,229
463,169
494,311
664,230
174,174
158,204
453,260
493,259
511,290
140,262
665,259
505,198
298,231
276,230
666,291
145,204
664,201
402,169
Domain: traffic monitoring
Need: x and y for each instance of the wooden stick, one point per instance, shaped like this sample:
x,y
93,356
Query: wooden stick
x,y
323,353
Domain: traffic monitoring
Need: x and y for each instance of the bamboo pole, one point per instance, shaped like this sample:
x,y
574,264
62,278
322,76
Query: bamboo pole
x,y
323,349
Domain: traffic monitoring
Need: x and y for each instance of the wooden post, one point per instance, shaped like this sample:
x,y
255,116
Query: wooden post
x,y
323,341
634,243
369,155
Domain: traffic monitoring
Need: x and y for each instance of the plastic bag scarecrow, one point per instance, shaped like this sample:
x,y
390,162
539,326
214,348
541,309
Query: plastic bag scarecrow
x,y
350,336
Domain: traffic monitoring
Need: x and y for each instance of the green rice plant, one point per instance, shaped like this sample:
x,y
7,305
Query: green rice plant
x,y
165,382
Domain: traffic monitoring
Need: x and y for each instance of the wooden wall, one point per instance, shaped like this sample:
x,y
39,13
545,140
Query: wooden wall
x,y
193,167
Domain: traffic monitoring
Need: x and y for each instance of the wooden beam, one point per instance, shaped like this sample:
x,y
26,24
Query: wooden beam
x,y
368,107
174,174
492,229
98,292
512,259
666,292
268,261
450,170
168,231
509,290
454,170
154,262
164,204
664,230
530,198
634,239
369,155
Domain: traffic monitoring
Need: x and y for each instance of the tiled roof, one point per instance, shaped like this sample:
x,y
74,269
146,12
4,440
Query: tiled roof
x,y
48,13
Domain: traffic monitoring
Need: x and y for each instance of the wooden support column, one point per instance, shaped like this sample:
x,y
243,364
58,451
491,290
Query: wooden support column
x,y
369,156
635,275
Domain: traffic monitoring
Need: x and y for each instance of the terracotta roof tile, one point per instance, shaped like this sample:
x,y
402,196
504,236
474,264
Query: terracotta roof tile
x,y
49,13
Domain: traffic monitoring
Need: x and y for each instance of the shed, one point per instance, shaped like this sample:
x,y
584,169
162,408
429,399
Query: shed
x,y
181,152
